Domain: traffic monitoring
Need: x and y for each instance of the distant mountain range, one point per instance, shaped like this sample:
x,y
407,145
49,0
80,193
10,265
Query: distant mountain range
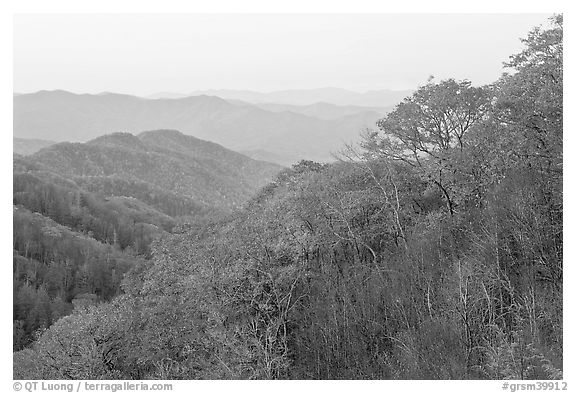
x,y
282,133
329,95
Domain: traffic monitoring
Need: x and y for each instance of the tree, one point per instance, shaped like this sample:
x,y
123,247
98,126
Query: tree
x,y
428,131
529,105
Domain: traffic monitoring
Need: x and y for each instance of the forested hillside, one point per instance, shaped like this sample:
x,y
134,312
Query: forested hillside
x,y
29,146
79,208
205,172
432,251
56,270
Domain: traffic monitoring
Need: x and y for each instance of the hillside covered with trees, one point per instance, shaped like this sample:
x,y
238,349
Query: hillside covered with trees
x,y
84,214
432,251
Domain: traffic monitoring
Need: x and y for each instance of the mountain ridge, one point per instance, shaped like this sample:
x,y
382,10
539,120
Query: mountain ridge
x,y
331,95
193,168
65,116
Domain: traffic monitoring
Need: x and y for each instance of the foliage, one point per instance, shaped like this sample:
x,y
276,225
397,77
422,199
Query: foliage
x,y
435,253
53,267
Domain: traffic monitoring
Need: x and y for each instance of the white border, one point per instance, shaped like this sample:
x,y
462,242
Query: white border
x,y
294,6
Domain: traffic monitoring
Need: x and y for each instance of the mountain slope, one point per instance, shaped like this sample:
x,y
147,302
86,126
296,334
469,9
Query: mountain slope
x,y
56,269
323,110
203,172
29,146
85,213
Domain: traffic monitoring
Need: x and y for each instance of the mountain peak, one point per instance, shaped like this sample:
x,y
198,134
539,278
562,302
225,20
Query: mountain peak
x,y
119,139
176,141
167,132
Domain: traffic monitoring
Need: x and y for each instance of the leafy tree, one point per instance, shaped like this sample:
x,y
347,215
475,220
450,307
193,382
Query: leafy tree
x,y
429,131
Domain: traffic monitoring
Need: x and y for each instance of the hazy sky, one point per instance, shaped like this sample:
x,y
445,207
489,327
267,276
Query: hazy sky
x,y
149,53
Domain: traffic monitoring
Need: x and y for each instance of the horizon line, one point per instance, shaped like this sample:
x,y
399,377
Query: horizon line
x,y
195,92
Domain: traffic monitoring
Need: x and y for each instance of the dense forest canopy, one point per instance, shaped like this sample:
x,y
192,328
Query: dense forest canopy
x,y
84,214
432,251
